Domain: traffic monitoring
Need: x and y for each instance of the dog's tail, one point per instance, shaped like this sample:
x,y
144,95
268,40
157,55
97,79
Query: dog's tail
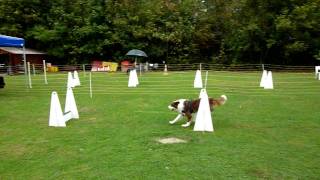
x,y
219,101
223,99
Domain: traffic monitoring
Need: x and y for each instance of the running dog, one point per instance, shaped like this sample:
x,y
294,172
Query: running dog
x,y
187,107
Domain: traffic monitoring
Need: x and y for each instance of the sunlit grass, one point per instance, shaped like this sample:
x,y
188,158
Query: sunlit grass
x,y
272,134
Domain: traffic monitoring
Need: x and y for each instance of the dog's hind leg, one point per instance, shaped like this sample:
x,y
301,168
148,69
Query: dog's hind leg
x,y
176,119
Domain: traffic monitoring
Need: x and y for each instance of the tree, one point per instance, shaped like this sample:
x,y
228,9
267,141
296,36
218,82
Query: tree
x,y
189,31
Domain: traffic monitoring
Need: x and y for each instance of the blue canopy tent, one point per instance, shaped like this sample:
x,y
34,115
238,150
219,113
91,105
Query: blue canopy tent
x,y
9,41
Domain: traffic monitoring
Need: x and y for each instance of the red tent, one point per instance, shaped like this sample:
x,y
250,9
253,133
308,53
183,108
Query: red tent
x,y
125,65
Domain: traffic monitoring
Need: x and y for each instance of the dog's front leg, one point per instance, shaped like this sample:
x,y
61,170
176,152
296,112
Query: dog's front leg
x,y
176,119
188,123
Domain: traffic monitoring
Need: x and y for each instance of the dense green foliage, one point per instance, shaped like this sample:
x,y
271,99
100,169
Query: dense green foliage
x,y
217,31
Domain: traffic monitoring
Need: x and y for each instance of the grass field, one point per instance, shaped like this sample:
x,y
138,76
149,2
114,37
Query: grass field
x,y
259,134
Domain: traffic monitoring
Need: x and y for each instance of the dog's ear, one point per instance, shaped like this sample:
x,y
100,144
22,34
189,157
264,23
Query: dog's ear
x,y
175,104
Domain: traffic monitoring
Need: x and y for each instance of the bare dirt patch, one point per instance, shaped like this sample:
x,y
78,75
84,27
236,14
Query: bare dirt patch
x,y
171,140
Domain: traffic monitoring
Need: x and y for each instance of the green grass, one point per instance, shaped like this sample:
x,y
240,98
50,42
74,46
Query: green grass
x,y
259,134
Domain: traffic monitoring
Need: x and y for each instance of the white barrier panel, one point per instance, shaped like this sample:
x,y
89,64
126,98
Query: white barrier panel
x,y
136,80
263,78
56,118
70,80
70,105
317,69
131,82
203,119
197,83
269,81
67,116
133,79
165,71
76,79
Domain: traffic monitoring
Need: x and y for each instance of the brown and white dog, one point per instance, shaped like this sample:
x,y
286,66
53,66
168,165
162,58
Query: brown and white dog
x,y
187,107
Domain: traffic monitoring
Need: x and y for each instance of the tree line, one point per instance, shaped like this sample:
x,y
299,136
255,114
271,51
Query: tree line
x,y
175,31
